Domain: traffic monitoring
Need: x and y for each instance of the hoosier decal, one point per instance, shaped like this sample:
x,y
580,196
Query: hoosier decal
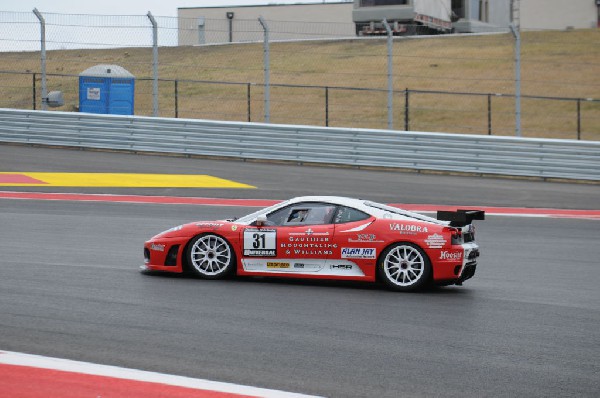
x,y
451,255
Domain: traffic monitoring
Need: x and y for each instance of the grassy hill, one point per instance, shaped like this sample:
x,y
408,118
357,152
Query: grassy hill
x,y
554,64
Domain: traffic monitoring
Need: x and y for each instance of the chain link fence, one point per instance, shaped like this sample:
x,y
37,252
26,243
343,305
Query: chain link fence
x,y
318,74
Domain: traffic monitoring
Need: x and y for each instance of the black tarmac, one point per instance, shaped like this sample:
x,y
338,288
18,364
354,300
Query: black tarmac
x,y
527,324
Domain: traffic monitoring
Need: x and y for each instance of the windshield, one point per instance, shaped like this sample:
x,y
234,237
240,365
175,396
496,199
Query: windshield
x,y
252,216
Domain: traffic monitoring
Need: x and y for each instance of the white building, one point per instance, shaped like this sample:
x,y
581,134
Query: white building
x,y
481,15
559,14
205,25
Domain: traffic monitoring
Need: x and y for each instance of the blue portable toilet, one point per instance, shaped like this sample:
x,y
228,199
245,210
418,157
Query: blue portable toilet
x,y
106,89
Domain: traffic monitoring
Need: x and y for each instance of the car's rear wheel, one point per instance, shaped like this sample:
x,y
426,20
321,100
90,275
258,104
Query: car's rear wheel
x,y
210,256
404,266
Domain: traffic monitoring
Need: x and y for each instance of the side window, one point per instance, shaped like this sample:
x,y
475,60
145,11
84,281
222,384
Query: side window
x,y
279,216
297,216
320,214
348,214
303,214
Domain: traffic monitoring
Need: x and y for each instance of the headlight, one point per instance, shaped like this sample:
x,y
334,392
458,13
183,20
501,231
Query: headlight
x,y
168,233
177,228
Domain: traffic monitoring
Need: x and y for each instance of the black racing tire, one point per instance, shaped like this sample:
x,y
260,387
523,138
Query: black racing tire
x,y
404,267
210,256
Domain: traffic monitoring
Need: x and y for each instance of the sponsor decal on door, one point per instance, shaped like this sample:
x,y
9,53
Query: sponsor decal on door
x,y
260,243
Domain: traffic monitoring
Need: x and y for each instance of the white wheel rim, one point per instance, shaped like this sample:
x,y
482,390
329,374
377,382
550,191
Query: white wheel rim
x,y
210,255
404,265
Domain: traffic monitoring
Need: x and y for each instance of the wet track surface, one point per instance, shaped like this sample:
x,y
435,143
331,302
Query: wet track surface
x,y
528,324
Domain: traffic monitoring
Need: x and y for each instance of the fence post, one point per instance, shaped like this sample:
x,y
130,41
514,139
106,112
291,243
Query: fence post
x,y
154,64
390,76
267,69
517,34
176,99
406,110
579,118
43,57
34,89
230,18
489,104
326,106
249,102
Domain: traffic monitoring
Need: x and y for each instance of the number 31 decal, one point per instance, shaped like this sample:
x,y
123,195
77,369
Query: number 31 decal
x,y
260,243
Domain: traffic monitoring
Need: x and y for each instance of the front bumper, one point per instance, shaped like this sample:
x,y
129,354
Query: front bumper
x,y
163,255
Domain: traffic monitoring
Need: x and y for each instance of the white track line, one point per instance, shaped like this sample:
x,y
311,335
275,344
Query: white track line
x,y
20,359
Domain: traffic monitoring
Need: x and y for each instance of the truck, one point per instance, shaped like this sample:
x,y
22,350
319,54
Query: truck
x,y
405,17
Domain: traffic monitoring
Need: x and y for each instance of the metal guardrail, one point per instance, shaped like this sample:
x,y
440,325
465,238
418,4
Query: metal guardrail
x,y
479,154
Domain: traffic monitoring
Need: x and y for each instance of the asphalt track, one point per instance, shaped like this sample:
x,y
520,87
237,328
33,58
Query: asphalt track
x,y
282,181
528,324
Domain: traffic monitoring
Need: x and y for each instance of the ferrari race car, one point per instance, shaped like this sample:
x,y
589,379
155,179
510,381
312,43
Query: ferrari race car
x,y
325,237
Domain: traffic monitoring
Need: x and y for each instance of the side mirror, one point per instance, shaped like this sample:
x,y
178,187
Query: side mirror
x,y
261,220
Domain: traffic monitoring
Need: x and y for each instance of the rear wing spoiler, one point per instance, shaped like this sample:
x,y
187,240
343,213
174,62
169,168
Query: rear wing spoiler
x,y
460,218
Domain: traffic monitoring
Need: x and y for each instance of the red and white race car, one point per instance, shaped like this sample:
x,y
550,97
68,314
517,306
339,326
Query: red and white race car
x,y
325,237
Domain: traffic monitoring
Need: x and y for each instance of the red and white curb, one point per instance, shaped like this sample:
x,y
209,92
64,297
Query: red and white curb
x,y
29,376
178,200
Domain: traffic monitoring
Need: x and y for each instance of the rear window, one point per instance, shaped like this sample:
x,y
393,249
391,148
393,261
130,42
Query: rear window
x,y
348,214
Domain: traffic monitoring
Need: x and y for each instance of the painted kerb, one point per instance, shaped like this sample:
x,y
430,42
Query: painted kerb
x,y
479,154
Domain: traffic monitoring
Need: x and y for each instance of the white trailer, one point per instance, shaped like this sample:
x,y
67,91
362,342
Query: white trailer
x,y
406,17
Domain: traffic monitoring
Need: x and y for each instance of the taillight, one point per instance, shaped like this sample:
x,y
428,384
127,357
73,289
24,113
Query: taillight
x,y
455,235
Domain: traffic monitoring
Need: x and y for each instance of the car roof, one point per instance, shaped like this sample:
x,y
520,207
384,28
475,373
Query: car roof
x,y
338,200
373,208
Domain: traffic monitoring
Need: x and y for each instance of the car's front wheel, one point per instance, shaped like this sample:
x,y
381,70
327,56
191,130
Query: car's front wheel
x,y
404,266
210,256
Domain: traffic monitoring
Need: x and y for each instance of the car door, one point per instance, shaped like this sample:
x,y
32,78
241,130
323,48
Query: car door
x,y
357,244
296,239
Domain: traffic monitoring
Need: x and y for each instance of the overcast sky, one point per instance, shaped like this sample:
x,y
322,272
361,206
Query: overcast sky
x,y
19,28
130,7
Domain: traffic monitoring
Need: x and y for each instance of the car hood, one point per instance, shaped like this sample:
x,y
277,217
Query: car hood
x,y
193,228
